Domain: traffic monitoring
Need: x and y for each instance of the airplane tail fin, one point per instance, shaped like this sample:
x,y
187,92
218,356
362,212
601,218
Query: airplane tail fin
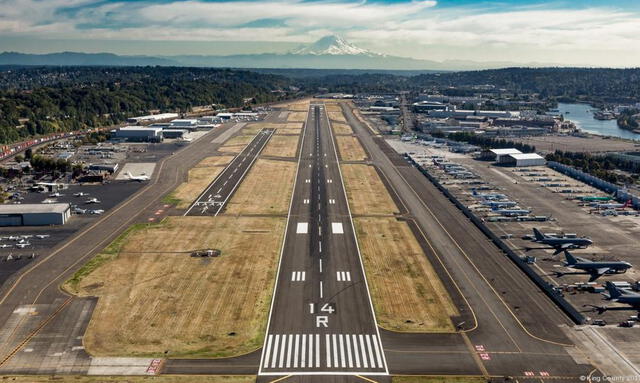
x,y
614,292
538,234
571,260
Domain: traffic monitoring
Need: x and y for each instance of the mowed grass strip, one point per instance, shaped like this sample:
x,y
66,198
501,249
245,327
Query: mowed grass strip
x,y
266,189
281,146
130,379
350,149
337,116
366,192
153,296
198,179
406,291
341,129
297,116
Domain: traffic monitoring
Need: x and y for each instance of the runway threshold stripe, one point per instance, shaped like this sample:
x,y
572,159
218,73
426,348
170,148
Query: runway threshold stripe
x,y
328,348
376,345
267,351
275,351
355,350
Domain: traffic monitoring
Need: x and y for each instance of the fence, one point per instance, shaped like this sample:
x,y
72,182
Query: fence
x,y
547,288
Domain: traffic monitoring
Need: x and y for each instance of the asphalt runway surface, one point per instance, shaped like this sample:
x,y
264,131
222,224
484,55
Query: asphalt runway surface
x,y
216,195
321,319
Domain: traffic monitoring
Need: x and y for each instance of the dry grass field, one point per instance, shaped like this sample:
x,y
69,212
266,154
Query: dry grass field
x,y
333,107
129,379
438,379
341,129
287,131
337,116
153,296
300,106
366,192
281,146
198,179
251,129
297,116
406,291
236,144
350,149
266,189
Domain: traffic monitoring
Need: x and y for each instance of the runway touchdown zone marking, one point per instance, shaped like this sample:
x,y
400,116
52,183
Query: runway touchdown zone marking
x,y
343,276
298,276
302,228
336,228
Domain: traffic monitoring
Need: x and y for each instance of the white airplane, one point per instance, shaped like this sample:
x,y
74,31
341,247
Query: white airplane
x,y
92,200
140,178
80,194
13,238
96,212
56,194
22,245
43,236
50,200
77,210
4,246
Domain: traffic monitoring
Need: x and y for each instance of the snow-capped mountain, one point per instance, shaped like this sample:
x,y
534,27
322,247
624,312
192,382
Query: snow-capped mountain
x,y
332,45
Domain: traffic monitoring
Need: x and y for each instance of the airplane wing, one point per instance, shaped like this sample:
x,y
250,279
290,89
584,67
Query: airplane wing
x,y
597,273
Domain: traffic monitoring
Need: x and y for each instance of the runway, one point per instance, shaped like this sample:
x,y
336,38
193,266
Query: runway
x,y
215,197
321,320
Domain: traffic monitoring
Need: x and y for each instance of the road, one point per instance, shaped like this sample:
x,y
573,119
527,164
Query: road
x,y
321,319
215,197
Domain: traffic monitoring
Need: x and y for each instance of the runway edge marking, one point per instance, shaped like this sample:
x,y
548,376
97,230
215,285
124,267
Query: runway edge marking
x,y
355,235
282,246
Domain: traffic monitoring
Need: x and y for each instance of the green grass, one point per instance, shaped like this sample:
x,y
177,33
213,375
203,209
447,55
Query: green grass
x,y
171,199
438,379
108,253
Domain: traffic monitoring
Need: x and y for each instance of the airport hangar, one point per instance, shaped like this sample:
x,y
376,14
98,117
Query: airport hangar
x,y
34,214
522,159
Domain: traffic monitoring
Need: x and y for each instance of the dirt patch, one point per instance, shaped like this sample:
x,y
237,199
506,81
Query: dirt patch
x,y
350,149
366,192
406,291
153,296
266,189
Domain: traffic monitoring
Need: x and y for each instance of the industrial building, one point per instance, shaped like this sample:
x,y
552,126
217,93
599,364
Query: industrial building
x,y
496,154
34,214
138,134
191,124
522,159
174,133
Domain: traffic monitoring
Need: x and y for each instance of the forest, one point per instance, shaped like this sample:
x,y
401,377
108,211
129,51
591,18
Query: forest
x,y
38,101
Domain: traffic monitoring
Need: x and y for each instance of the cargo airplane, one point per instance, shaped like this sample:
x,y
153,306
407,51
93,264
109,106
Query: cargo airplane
x,y
594,268
561,243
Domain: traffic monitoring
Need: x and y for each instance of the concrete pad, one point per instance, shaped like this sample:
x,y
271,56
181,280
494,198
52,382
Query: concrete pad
x,y
136,169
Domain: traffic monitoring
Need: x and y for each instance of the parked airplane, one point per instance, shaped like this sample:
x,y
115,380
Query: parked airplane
x,y
92,200
594,198
4,246
96,212
595,269
619,295
140,178
43,236
80,194
489,195
612,205
511,212
561,243
78,210
499,204
50,200
22,245
56,194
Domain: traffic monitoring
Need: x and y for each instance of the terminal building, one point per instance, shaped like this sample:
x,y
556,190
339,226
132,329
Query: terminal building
x,y
34,214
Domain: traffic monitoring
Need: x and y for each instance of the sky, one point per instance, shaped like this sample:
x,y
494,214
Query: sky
x,y
529,32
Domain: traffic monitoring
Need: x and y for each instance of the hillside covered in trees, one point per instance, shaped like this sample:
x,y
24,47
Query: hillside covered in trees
x,y
36,101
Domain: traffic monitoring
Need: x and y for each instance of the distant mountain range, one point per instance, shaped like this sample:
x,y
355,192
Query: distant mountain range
x,y
330,52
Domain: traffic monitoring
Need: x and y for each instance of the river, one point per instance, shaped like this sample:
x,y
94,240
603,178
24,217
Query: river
x,y
582,116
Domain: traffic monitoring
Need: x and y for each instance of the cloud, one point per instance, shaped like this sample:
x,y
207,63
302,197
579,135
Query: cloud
x,y
416,26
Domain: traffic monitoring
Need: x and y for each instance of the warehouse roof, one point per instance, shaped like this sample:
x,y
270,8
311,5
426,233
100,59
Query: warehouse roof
x,y
526,156
33,208
501,152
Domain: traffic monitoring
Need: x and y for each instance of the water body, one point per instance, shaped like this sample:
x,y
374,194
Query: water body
x,y
582,116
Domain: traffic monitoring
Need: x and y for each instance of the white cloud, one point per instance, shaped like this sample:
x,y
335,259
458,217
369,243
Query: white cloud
x,y
406,28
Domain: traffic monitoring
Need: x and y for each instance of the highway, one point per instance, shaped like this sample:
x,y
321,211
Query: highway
x,y
215,197
321,320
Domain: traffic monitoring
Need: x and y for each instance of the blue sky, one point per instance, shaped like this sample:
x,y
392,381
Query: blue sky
x,y
579,32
